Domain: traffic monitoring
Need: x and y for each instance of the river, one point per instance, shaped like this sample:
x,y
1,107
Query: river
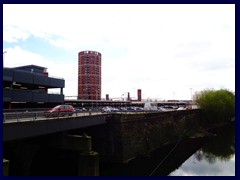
x,y
215,158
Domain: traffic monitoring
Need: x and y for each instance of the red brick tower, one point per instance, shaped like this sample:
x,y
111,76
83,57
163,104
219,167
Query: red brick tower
x,y
89,75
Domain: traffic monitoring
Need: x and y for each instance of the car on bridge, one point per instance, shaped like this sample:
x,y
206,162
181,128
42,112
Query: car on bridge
x,y
106,109
60,110
181,108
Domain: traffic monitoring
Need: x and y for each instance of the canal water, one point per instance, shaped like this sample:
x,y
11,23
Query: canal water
x,y
213,156
202,167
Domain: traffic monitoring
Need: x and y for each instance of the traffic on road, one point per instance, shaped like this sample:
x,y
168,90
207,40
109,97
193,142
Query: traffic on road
x,y
66,111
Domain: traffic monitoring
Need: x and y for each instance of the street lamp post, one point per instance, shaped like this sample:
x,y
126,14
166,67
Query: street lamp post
x,y
143,97
122,96
125,94
191,98
4,52
191,94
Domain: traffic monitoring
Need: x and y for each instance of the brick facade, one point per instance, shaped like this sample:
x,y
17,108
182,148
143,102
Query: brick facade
x,y
89,75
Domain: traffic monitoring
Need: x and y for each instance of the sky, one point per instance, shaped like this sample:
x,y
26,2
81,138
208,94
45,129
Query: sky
x,y
168,51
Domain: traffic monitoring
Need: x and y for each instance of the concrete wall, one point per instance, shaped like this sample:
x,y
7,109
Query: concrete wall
x,y
141,134
126,136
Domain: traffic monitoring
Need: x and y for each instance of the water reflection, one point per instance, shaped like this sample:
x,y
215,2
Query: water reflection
x,y
222,146
215,158
158,163
194,167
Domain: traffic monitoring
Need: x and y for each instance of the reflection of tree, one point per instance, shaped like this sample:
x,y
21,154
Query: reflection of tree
x,y
199,155
222,146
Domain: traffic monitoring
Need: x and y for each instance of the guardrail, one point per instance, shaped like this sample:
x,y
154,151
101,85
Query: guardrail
x,y
22,115
41,115
14,117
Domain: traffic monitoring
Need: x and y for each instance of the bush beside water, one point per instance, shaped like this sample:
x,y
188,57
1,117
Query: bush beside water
x,y
217,105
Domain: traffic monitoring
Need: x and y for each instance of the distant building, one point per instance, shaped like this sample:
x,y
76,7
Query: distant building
x,y
128,98
89,75
107,97
27,87
139,93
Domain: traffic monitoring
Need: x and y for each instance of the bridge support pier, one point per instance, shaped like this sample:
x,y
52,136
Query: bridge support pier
x,y
88,164
88,160
5,167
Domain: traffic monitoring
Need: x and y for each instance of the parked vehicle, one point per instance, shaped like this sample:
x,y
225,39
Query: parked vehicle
x,y
181,108
106,109
60,110
161,109
80,109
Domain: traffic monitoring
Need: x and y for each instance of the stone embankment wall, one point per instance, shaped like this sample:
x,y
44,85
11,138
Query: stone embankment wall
x,y
130,135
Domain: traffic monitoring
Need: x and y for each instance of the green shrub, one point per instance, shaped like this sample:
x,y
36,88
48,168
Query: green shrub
x,y
216,105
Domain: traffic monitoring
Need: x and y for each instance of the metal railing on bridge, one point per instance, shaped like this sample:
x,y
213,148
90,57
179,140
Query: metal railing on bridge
x,y
14,117
23,116
37,114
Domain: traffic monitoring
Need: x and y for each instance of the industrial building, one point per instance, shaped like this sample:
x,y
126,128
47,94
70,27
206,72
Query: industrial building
x,y
27,86
89,75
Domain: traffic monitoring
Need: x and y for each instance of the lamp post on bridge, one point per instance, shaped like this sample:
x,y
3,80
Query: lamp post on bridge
x,y
143,97
191,98
125,93
191,94
4,52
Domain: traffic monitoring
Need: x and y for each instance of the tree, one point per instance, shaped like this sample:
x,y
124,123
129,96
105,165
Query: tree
x,y
216,105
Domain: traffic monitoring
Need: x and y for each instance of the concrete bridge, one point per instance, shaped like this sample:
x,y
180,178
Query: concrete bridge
x,y
115,137
29,127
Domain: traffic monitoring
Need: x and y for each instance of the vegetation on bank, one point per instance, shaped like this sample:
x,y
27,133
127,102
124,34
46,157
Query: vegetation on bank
x,y
217,105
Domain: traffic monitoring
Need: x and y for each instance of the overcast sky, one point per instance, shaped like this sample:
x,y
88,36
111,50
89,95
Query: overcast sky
x,y
168,51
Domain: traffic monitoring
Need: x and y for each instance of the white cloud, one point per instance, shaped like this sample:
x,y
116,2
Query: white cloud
x,y
17,56
162,49
13,34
